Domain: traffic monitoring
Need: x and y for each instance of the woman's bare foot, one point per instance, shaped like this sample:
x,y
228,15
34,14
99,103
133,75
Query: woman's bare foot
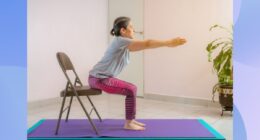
x,y
138,123
130,125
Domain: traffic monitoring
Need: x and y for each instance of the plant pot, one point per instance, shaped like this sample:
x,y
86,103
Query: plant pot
x,y
226,98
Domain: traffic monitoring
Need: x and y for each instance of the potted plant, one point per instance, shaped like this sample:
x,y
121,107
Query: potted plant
x,y
220,53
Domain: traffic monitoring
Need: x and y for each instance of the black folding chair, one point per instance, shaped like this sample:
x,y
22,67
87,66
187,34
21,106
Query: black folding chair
x,y
77,89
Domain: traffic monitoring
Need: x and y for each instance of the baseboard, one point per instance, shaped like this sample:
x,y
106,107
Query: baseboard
x,y
43,103
182,100
175,99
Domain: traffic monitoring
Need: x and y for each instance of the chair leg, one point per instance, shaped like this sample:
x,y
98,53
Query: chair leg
x,y
68,112
90,120
60,115
94,108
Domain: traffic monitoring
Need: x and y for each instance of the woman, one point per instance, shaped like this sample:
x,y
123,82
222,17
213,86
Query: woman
x,y
103,75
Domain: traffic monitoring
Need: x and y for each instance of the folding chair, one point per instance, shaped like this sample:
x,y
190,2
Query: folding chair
x,y
76,89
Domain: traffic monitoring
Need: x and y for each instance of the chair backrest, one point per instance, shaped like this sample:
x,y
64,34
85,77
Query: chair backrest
x,y
64,61
65,65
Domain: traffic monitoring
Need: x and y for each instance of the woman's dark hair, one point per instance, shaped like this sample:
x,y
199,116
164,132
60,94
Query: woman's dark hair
x,y
120,22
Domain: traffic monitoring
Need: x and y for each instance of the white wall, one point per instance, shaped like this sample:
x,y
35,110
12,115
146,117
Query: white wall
x,y
183,71
80,28
77,27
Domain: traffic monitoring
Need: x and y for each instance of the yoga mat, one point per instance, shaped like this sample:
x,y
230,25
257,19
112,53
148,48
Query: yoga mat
x,y
78,128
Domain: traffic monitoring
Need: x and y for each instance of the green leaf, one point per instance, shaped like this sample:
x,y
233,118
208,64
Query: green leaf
x,y
223,61
211,43
221,27
226,71
212,46
217,45
217,61
209,56
209,47
212,27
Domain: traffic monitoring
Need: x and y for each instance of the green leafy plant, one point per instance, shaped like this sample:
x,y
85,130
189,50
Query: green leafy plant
x,y
220,53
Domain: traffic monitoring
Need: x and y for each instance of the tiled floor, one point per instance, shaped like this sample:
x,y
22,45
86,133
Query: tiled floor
x,y
112,106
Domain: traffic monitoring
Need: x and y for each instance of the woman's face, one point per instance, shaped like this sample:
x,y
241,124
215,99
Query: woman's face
x,y
129,31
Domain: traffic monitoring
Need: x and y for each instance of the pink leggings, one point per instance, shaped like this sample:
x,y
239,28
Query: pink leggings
x,y
116,86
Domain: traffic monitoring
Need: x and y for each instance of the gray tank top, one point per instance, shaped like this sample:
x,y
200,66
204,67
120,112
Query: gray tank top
x,y
114,60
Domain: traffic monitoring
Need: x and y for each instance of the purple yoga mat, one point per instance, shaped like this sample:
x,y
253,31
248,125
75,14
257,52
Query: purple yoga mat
x,y
179,128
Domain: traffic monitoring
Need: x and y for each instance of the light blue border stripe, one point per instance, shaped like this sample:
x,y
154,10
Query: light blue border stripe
x,y
35,126
212,130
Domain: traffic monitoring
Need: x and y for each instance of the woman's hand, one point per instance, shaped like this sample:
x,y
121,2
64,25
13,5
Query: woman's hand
x,y
176,42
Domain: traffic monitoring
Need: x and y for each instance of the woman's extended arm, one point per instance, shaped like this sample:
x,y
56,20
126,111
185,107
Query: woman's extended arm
x,y
149,44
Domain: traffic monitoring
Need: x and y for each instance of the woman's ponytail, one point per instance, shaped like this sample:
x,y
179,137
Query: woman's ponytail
x,y
112,32
120,22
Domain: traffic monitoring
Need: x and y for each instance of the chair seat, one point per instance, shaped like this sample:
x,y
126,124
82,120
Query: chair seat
x,y
82,91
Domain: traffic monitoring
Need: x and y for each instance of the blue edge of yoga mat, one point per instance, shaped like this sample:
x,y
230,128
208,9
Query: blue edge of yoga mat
x,y
217,135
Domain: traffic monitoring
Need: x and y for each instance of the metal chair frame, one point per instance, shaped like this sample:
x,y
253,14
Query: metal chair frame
x,y
66,65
